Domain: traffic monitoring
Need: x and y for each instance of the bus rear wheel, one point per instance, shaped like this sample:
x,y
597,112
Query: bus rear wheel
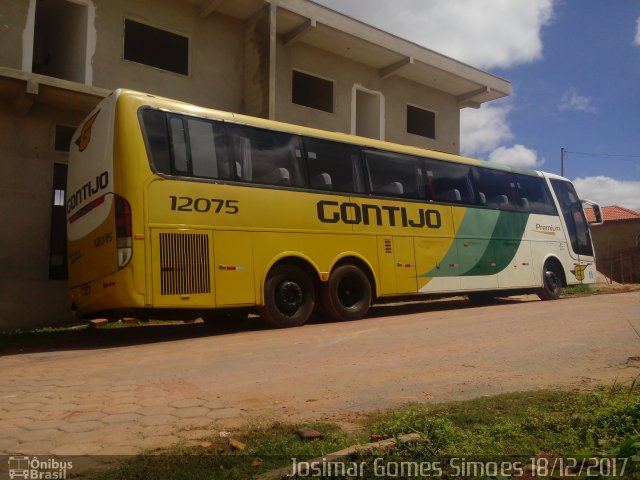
x,y
551,282
347,294
289,297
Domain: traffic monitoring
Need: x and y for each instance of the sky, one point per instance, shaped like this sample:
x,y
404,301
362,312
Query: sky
x,y
574,66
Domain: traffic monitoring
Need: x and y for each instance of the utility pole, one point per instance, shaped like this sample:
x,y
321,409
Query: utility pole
x,y
562,150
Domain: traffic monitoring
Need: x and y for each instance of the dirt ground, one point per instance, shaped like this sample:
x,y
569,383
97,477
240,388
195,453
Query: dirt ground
x,y
124,390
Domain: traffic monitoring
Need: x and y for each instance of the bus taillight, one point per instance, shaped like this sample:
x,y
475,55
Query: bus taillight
x,y
123,231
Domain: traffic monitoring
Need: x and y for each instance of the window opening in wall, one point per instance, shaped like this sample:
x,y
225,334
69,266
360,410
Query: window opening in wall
x,y
368,114
58,234
421,122
311,91
63,138
60,40
156,47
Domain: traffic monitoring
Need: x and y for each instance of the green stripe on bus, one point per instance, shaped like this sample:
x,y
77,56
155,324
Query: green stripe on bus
x,y
485,244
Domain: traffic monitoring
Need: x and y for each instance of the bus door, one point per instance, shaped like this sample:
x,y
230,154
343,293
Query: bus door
x,y
576,228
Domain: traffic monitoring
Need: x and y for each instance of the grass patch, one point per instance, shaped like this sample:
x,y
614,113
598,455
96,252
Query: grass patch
x,y
274,444
582,289
604,422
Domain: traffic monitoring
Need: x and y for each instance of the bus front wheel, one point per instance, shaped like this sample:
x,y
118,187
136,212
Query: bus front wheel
x,y
551,282
347,293
289,297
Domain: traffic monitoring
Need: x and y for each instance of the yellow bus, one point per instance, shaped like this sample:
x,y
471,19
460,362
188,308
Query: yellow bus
x,y
177,211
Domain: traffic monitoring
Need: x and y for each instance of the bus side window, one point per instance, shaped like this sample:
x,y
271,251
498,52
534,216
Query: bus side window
x,y
447,182
496,187
534,195
207,144
333,166
395,175
177,136
267,157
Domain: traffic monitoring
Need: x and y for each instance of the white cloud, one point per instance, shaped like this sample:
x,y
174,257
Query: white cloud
x,y
486,34
574,101
609,191
636,40
484,133
484,129
517,156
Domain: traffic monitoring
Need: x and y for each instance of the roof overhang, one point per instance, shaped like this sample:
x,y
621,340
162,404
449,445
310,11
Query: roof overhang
x,y
310,23
26,89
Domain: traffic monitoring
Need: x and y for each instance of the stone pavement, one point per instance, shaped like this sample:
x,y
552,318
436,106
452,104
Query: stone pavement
x,y
143,390
66,412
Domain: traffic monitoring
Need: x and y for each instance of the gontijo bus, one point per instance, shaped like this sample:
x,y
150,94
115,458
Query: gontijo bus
x,y
179,211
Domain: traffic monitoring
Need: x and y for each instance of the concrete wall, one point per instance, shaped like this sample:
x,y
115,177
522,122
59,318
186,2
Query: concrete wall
x,y
610,237
216,48
27,296
617,253
397,92
256,65
13,15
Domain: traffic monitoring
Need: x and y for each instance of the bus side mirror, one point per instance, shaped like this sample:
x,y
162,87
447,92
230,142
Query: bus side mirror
x,y
597,212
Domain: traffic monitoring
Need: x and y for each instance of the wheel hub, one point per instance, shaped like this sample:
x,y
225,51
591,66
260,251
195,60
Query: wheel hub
x,y
289,297
552,281
349,292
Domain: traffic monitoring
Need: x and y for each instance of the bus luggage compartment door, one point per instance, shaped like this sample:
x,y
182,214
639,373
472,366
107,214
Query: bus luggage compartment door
x,y
233,252
182,273
404,256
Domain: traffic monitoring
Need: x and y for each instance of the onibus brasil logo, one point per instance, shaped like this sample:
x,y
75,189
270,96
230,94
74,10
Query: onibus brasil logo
x,y
33,468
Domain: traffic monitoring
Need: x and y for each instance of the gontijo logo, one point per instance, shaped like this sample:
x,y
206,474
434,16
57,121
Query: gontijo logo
x,y
85,134
578,271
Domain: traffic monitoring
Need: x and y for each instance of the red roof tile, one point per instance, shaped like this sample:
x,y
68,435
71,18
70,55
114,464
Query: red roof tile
x,y
613,213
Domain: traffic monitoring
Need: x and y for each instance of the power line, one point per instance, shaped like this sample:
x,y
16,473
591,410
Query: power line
x,y
564,153
620,156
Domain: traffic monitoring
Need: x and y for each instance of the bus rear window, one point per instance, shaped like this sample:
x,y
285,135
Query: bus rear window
x,y
186,146
155,131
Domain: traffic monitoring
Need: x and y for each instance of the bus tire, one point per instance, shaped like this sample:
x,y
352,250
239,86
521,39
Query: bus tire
x,y
347,294
481,298
289,297
227,319
551,282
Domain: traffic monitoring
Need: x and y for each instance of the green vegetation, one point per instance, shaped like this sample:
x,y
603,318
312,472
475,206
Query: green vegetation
x,y
501,428
584,289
